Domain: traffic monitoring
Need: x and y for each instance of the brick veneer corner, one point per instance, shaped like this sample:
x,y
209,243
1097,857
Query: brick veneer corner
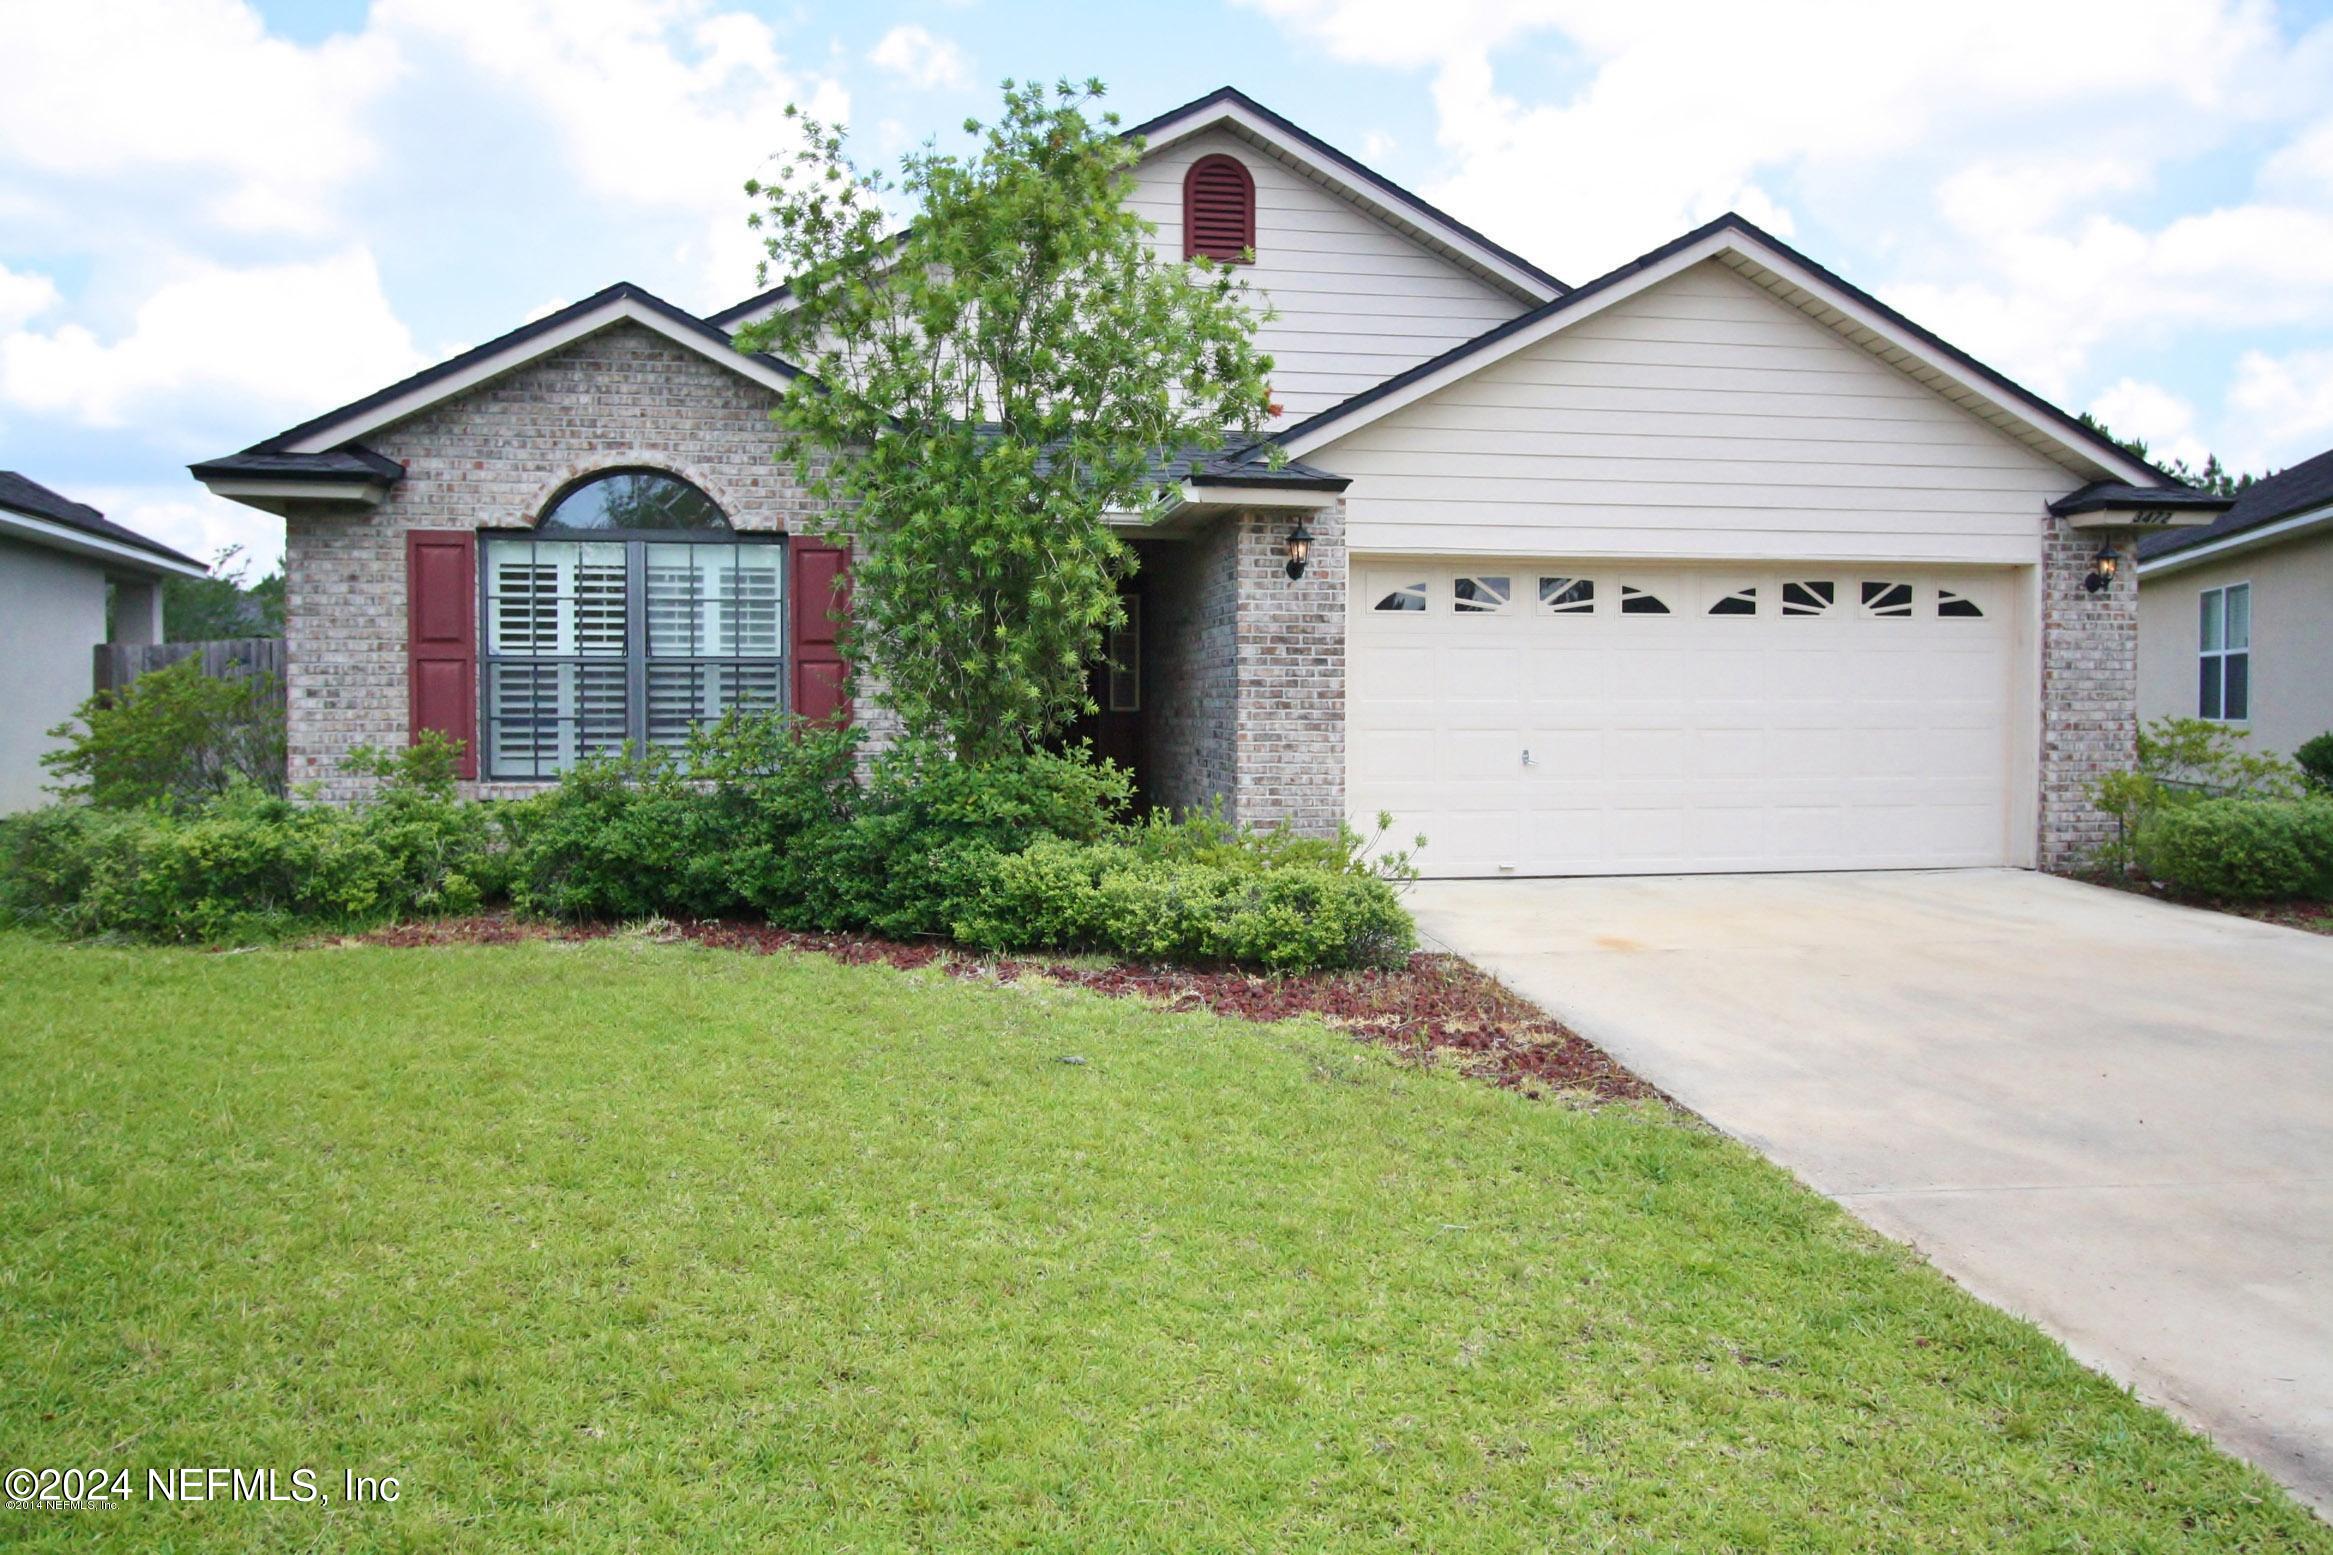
x,y
2089,691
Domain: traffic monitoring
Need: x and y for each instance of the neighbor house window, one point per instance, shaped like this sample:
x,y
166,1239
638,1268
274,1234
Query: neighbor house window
x,y
2224,654
630,612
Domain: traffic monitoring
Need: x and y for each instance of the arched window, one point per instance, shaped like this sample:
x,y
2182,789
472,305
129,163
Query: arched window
x,y
632,611
1219,211
630,499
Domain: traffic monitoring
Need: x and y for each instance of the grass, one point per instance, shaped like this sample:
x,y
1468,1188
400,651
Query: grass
x,y
634,1246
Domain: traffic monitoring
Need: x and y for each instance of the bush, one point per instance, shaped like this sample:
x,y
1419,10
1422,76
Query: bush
x,y
173,736
1109,896
249,864
2315,759
756,815
2243,850
2185,761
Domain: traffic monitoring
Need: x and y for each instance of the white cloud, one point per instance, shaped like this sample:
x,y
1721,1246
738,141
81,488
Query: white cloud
x,y
24,297
190,520
2280,408
246,347
133,87
920,59
661,104
2155,416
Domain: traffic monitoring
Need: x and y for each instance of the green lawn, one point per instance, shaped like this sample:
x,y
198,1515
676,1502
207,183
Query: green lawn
x,y
637,1246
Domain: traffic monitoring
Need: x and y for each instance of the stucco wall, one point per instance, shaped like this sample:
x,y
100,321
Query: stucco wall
x,y
2292,639
52,613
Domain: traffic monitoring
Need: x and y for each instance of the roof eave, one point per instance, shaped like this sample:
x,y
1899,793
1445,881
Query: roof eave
x,y
116,555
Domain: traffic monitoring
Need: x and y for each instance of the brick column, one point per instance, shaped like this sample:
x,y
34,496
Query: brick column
x,y
1289,740
2089,689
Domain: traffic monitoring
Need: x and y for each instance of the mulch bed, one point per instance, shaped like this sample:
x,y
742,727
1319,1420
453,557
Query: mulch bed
x,y
1436,1009
2312,917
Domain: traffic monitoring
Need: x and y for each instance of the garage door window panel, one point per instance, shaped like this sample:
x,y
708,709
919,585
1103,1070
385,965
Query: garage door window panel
x,y
1741,602
1477,594
1887,601
1951,606
1567,596
1405,598
1812,597
1636,601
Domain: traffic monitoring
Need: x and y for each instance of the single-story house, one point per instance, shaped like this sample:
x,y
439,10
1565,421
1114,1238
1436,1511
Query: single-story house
x,y
1714,562
2236,617
59,562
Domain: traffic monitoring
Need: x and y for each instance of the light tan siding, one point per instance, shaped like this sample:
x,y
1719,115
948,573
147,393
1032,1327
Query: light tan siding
x,y
1701,418
1357,301
2291,674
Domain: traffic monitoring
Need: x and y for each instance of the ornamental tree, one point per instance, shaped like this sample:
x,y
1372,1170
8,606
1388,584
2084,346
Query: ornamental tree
x,y
994,383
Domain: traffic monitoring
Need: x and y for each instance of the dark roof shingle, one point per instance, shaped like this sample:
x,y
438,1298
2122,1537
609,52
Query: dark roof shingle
x,y
2306,485
30,497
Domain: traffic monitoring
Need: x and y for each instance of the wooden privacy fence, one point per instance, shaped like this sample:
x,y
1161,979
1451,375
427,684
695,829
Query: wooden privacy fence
x,y
120,663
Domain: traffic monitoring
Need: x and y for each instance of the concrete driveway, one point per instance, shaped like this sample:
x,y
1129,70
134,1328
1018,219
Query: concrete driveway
x,y
2110,1115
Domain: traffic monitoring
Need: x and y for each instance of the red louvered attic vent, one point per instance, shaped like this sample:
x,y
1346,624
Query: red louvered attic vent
x,y
1219,210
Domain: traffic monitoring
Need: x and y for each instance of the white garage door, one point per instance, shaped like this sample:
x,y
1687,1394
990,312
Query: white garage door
x,y
1550,718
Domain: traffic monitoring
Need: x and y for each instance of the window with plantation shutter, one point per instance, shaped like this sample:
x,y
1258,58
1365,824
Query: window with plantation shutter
x,y
1219,211
631,612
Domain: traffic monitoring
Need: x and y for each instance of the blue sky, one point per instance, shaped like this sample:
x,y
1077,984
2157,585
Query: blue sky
x,y
219,217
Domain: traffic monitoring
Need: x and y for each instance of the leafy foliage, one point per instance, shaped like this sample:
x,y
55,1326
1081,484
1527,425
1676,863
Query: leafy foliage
x,y
2243,850
225,604
172,736
2315,759
249,864
2183,762
2214,477
994,382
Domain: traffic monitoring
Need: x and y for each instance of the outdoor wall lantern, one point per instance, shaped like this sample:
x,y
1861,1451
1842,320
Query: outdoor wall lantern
x,y
2102,568
1299,550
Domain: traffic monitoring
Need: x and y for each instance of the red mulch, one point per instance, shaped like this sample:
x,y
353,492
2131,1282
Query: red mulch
x,y
1437,1007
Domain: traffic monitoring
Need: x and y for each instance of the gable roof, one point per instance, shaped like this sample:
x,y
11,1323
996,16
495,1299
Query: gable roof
x,y
618,303
1770,263
1229,108
2284,495
29,499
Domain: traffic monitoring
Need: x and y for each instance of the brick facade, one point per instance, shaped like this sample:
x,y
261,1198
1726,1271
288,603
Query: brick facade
x,y
2089,690
491,459
1245,673
1244,676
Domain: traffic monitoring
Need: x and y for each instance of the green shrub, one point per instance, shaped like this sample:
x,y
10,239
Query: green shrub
x,y
249,864
2184,761
2315,759
1106,896
2243,850
172,736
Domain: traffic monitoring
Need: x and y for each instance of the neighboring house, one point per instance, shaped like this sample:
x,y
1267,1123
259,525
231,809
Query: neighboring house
x,y
2236,618
1712,563
58,559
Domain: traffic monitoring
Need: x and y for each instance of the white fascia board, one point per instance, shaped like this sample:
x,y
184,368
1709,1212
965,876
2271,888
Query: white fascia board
x,y
1256,496
615,311
2246,540
1710,247
259,490
63,537
1379,197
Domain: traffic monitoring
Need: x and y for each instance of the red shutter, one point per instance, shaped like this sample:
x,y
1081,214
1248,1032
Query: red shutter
x,y
441,636
1219,210
822,597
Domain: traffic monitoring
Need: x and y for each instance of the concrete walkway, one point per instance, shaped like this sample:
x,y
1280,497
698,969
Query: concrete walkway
x,y
2112,1116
